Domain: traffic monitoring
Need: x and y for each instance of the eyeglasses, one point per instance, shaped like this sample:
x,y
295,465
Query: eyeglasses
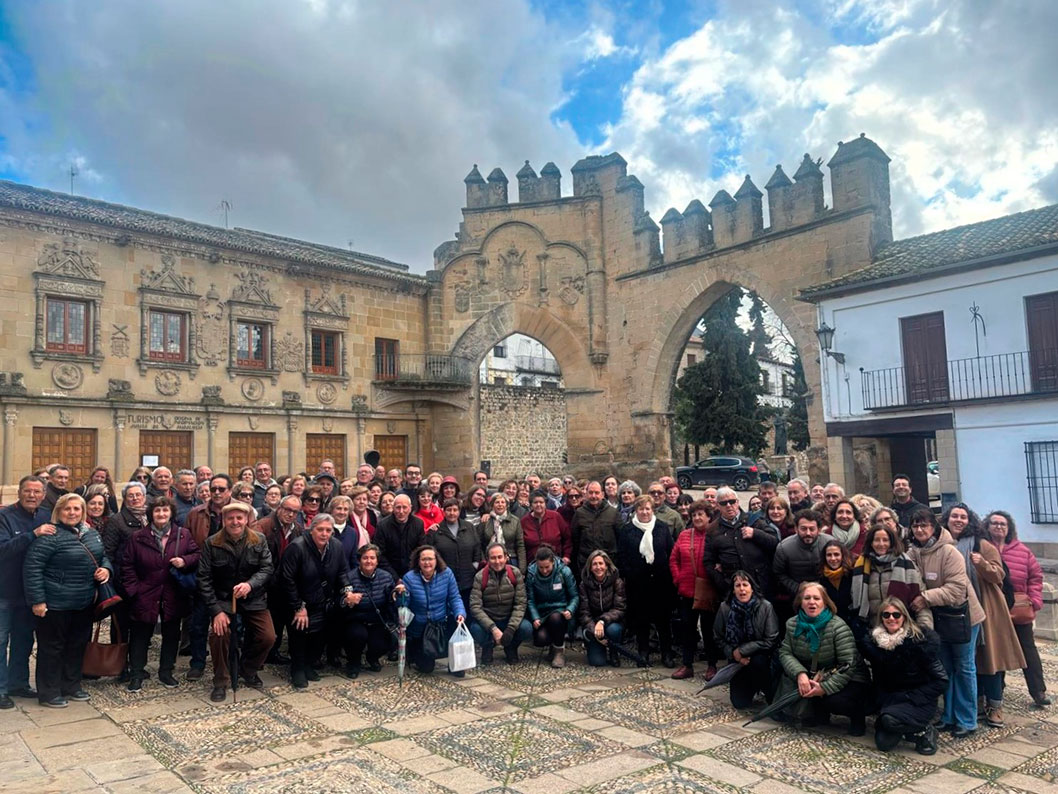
x,y
997,523
575,496
725,502
143,477
892,615
220,489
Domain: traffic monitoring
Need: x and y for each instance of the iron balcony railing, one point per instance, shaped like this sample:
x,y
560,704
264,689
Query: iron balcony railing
x,y
962,379
423,370
541,364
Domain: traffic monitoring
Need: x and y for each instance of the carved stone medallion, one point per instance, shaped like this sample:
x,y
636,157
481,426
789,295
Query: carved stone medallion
x,y
119,341
328,424
67,376
572,288
253,421
462,298
514,272
290,353
252,389
65,418
167,383
391,427
326,393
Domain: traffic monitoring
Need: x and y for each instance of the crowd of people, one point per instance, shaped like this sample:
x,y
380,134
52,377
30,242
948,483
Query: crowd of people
x,y
857,607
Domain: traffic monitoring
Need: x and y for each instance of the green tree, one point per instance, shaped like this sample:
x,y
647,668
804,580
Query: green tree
x,y
716,400
797,413
760,339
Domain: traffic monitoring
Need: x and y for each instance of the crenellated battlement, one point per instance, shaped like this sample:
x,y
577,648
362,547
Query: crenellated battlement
x,y
859,178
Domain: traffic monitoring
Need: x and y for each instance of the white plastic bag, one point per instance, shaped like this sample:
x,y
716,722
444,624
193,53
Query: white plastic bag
x,y
461,650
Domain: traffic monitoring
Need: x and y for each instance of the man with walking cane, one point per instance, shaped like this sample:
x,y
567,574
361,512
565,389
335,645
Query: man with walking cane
x,y
234,569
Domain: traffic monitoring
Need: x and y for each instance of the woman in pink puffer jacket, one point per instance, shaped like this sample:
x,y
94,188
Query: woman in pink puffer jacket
x,y
1026,576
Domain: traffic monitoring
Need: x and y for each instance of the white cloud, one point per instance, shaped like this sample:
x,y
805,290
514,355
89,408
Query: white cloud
x,y
961,96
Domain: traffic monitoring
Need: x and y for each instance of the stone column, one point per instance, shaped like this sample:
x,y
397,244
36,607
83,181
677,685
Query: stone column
x,y
361,428
119,441
292,426
420,425
211,430
10,420
842,464
949,463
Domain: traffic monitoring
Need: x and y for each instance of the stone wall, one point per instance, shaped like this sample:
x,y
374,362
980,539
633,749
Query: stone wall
x,y
523,429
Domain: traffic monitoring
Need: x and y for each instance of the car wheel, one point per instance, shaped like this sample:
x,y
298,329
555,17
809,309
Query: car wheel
x,y
684,482
741,483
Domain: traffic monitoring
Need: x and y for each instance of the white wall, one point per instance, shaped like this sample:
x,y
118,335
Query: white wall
x,y
867,325
990,445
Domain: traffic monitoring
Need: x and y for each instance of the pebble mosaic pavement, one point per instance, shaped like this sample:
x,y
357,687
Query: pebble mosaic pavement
x,y
527,728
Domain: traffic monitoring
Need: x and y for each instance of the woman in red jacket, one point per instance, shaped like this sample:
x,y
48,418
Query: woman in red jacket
x,y
687,565
542,526
1026,576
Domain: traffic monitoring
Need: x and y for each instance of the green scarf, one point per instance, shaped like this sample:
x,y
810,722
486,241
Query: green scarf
x,y
812,627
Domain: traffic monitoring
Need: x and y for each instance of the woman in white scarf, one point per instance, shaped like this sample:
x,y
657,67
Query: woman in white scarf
x,y
644,546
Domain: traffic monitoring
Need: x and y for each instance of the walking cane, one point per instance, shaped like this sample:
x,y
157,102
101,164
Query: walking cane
x,y
233,652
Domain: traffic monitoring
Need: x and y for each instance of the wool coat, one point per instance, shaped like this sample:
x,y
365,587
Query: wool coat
x,y
152,590
552,529
461,553
1000,649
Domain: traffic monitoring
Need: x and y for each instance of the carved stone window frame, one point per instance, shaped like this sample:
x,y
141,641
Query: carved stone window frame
x,y
251,302
327,313
165,290
67,272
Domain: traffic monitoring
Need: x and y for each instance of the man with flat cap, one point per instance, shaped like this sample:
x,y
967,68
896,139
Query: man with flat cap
x,y
236,565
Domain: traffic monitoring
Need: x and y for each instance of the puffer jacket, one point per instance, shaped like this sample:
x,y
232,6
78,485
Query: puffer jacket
x,y
511,535
796,562
1026,575
765,630
686,563
499,598
837,647
59,572
601,600
302,582
377,604
909,673
552,529
726,551
944,575
556,592
461,553
224,564
593,528
434,600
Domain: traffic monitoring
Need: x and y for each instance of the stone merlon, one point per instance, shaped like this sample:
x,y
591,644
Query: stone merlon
x,y
778,179
748,190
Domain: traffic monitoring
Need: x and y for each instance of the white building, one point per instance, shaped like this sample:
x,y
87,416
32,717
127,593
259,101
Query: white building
x,y
948,345
520,360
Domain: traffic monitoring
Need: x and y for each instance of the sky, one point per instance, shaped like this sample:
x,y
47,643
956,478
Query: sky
x,y
352,122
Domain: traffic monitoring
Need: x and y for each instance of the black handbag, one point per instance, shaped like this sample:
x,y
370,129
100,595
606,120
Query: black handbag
x,y
435,635
107,597
952,624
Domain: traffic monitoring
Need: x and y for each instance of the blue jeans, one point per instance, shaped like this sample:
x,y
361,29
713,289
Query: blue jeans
x,y
16,630
596,650
960,698
484,638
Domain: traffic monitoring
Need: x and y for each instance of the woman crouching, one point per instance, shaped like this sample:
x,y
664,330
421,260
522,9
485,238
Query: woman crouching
x,y
908,678
819,659
748,631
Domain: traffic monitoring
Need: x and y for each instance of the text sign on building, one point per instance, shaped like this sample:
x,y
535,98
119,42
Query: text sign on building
x,y
163,422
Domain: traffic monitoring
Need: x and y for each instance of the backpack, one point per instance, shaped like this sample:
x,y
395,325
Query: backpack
x,y
487,570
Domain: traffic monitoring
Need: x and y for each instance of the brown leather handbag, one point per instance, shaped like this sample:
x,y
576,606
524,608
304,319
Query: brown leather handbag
x,y
1022,613
704,592
105,658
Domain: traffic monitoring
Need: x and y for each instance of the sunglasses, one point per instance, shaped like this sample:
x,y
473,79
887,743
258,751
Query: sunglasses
x,y
312,499
725,502
575,496
892,615
221,489
656,493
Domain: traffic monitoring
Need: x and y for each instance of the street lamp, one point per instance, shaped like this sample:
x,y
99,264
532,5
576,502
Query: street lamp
x,y
825,334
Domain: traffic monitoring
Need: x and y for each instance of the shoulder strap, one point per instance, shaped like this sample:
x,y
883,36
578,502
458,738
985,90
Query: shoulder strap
x,y
510,575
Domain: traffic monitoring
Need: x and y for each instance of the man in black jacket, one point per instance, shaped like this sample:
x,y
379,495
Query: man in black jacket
x,y
315,578
904,504
594,526
397,536
236,566
734,545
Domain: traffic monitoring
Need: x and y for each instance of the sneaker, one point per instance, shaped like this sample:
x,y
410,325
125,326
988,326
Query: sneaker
x,y
1040,700
959,732
218,694
135,684
167,680
80,695
57,702
683,671
195,673
994,717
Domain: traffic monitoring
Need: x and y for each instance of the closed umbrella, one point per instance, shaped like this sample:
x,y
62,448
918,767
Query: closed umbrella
x,y
404,618
779,704
723,676
233,651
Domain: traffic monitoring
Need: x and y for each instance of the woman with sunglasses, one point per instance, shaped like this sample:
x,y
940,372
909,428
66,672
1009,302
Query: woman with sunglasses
x,y
310,503
908,678
240,492
574,499
141,474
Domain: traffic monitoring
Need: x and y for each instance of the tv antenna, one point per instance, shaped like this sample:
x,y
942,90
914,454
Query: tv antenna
x,y
73,172
225,207
351,241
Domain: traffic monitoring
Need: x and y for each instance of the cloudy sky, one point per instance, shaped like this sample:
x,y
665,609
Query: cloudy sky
x,y
347,120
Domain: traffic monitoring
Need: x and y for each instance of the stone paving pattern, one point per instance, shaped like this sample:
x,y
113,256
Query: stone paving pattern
x,y
501,729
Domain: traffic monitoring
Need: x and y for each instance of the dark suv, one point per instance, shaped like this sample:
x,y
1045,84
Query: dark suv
x,y
739,473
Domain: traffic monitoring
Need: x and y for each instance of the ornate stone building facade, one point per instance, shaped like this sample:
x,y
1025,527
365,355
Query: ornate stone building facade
x,y
126,333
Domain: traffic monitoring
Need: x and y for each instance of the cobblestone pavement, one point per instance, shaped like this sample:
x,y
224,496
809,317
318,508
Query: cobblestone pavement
x,y
527,728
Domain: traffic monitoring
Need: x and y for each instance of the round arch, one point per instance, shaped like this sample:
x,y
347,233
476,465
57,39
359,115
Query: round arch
x,y
542,325
671,338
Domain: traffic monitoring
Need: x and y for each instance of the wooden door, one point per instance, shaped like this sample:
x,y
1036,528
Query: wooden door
x,y
393,451
247,449
925,358
1041,316
319,447
73,447
175,448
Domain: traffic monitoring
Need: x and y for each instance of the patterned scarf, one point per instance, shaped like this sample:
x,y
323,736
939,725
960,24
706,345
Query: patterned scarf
x,y
905,581
739,628
812,628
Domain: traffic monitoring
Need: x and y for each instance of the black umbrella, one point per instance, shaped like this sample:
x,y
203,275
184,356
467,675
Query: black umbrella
x,y
779,704
723,676
233,651
628,653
